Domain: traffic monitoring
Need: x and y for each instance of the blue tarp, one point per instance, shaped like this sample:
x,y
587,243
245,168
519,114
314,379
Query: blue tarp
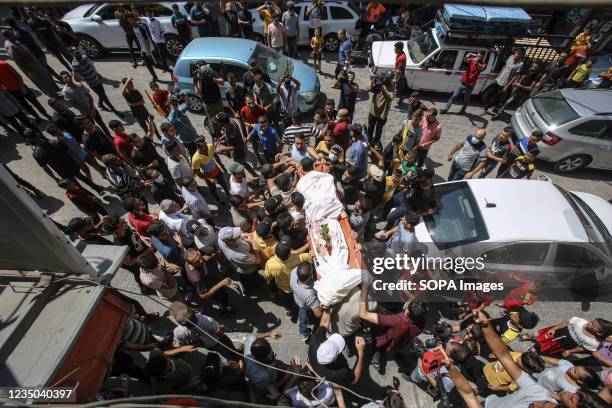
x,y
510,20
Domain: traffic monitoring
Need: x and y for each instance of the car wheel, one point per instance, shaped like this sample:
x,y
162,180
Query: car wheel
x,y
173,46
331,43
259,38
195,104
572,163
90,47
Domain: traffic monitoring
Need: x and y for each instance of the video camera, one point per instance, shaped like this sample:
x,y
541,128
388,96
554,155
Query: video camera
x,y
442,331
378,80
201,70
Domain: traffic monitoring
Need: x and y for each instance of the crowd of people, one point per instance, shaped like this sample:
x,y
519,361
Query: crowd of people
x,y
198,256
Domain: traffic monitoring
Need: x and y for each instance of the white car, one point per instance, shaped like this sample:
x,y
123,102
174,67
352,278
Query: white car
x,y
432,64
99,31
335,16
525,226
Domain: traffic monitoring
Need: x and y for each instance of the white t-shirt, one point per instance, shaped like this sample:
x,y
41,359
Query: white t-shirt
x,y
241,189
195,201
325,397
177,223
553,378
184,336
528,391
179,169
575,326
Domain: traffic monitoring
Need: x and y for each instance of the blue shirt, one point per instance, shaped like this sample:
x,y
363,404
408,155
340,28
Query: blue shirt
x,y
75,146
182,124
345,48
197,14
269,139
357,154
298,155
178,19
169,250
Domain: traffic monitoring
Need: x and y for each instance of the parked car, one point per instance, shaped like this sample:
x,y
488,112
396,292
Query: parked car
x,y
432,64
336,16
569,231
577,127
99,32
226,55
601,65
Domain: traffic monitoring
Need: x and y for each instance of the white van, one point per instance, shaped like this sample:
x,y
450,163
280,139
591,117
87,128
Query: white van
x,y
432,64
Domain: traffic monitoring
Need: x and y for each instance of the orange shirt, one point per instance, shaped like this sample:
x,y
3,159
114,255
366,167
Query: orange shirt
x,y
374,13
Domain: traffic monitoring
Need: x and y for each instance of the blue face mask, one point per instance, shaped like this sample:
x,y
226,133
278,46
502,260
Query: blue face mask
x,y
332,157
160,179
474,139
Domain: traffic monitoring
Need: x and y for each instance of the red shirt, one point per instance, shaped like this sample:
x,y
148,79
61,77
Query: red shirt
x,y
122,144
471,74
374,13
400,60
141,221
83,200
520,296
161,99
341,134
9,77
399,330
251,115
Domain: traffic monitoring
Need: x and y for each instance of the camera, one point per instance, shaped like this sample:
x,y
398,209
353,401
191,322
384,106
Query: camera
x,y
343,76
378,80
442,331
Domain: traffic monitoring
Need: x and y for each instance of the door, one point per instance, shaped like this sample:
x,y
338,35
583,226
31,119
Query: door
x,y
592,138
108,31
437,73
525,257
604,154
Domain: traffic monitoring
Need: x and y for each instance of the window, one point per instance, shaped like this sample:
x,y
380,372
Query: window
x,y
158,10
445,59
107,13
528,253
323,13
458,219
592,128
340,13
422,46
224,69
576,256
554,109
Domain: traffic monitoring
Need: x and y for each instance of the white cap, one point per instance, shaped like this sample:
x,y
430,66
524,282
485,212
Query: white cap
x,y
229,233
330,349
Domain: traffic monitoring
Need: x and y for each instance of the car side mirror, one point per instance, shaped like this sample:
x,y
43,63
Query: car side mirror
x,y
96,18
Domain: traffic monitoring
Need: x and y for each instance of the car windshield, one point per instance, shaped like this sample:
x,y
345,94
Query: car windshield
x,y
422,46
554,109
458,220
273,63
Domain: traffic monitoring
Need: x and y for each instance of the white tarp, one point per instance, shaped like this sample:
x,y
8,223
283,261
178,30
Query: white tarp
x,y
323,209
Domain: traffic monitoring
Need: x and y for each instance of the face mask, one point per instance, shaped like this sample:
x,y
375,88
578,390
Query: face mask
x,y
338,118
160,179
332,157
474,139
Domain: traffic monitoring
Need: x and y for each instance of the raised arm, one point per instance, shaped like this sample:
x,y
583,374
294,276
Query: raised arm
x,y
498,348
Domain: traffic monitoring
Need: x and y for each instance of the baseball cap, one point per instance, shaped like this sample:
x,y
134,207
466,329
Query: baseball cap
x,y
355,127
77,223
193,227
425,171
329,350
229,233
181,312
234,168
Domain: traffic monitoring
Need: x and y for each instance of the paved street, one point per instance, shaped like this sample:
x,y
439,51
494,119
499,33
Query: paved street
x,y
261,314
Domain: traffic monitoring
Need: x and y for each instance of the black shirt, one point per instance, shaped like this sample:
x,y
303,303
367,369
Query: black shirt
x,y
233,137
136,246
235,97
97,144
144,155
233,28
66,121
555,72
134,96
337,371
422,198
55,155
246,15
44,30
26,39
210,93
63,36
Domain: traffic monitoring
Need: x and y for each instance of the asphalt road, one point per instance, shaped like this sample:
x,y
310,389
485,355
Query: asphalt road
x,y
262,314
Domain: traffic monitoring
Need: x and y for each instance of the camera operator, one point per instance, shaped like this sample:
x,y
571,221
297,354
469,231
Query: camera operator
x,y
207,84
392,331
418,195
379,104
348,91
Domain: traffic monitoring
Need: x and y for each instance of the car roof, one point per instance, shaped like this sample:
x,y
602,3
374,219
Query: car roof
x,y
225,48
526,210
588,102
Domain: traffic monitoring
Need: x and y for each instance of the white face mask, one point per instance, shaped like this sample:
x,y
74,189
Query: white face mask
x,y
160,179
332,157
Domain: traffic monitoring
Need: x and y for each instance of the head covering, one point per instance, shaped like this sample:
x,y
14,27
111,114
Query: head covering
x,y
355,127
234,168
229,233
329,350
193,227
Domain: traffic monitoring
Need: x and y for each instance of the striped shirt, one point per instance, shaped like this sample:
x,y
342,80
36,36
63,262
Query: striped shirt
x,y
86,70
307,131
